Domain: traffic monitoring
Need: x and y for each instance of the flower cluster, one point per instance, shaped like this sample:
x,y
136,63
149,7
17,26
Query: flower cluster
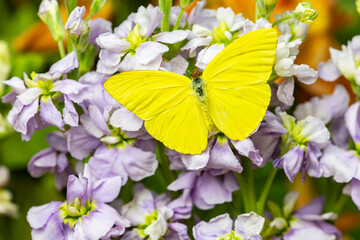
x,y
121,183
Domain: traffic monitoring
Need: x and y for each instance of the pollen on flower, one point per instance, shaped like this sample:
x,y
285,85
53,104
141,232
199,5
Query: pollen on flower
x,y
221,34
135,38
71,213
230,236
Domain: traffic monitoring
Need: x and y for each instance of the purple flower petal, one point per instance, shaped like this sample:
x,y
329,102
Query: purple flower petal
x,y
98,26
49,113
355,192
106,190
171,37
69,87
221,157
29,95
138,164
249,224
246,148
338,163
97,225
112,42
71,117
126,120
184,181
328,71
16,84
75,189
197,161
107,163
352,121
42,162
80,143
20,116
65,65
211,191
305,74
292,162
148,51
216,227
285,91
39,216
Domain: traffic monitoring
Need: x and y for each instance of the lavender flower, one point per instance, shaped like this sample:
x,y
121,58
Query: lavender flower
x,y
118,142
299,224
247,227
330,109
53,159
293,146
85,214
344,165
131,46
32,99
152,216
342,63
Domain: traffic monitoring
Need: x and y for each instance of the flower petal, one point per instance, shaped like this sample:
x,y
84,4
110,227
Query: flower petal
x,y
49,113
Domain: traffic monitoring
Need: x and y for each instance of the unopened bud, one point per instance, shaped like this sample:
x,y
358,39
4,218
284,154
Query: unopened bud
x,y
49,13
264,8
76,24
305,13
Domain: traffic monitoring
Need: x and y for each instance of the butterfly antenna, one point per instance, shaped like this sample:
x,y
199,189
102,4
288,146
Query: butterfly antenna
x,y
176,65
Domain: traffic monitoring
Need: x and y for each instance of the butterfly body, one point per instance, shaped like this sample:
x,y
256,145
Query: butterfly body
x,y
231,94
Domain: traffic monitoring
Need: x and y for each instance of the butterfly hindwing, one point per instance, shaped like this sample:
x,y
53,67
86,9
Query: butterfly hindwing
x,y
166,103
238,93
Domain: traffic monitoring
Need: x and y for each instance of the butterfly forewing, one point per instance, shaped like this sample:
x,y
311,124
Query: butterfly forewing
x,y
168,105
238,94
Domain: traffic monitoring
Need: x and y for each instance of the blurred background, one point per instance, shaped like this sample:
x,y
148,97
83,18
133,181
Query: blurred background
x,y
26,45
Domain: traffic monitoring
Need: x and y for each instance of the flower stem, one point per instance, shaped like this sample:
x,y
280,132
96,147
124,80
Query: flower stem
x,y
281,20
164,162
340,204
265,192
61,49
176,27
165,8
243,189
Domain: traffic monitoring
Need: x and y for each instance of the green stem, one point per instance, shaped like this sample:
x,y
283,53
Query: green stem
x,y
61,49
164,162
249,174
340,204
165,8
332,195
176,27
244,192
281,20
265,192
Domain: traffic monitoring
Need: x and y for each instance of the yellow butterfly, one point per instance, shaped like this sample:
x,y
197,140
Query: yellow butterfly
x,y
231,94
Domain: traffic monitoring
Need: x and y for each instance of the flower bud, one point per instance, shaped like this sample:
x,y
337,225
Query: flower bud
x,y
185,3
49,13
76,24
264,8
305,13
96,6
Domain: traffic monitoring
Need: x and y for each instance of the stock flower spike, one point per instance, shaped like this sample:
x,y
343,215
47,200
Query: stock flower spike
x,y
173,125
